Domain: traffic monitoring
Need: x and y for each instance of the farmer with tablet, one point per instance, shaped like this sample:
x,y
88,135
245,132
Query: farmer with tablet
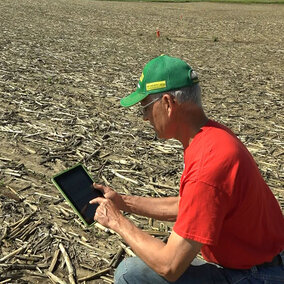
x,y
224,208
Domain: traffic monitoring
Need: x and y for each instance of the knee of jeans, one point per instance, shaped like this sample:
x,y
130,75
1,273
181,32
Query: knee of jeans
x,y
128,271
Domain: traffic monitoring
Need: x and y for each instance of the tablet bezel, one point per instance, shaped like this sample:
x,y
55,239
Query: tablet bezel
x,y
66,197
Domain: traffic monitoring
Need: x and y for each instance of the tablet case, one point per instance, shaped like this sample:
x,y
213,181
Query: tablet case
x,y
66,197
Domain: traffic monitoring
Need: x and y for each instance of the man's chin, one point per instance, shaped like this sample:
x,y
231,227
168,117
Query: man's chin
x,y
159,136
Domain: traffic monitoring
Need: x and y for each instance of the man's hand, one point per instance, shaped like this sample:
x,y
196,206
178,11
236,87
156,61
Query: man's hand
x,y
107,213
164,208
112,195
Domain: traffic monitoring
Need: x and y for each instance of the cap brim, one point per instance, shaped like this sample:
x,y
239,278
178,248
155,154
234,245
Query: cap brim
x,y
132,99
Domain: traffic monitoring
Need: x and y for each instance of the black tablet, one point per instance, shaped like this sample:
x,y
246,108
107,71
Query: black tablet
x,y
76,185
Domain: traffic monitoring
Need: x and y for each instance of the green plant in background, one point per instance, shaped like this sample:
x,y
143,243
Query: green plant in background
x,y
1,183
49,80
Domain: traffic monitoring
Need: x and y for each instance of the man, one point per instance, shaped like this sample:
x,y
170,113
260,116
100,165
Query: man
x,y
225,209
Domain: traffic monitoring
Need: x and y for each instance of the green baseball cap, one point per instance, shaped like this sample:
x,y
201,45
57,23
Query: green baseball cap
x,y
163,73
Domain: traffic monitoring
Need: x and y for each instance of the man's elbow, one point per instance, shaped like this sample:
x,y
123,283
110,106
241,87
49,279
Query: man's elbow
x,y
170,274
172,278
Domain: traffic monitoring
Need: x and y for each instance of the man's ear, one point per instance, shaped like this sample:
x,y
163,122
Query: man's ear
x,y
169,103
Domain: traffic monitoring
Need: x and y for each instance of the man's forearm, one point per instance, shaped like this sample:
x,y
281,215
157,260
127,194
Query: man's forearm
x,y
145,246
168,260
164,209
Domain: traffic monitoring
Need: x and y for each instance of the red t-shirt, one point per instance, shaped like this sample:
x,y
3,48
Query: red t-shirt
x,y
225,204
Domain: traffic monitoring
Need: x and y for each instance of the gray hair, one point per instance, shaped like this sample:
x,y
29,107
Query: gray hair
x,y
188,94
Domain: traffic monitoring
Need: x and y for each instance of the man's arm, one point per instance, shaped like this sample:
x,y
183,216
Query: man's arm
x,y
168,260
164,208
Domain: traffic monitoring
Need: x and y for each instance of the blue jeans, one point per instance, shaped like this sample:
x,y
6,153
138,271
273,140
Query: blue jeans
x,y
134,271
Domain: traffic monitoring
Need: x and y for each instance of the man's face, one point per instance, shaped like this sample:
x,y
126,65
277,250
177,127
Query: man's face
x,y
155,111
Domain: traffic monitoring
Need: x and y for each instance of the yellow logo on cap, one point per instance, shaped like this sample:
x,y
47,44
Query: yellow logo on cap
x,y
141,77
156,85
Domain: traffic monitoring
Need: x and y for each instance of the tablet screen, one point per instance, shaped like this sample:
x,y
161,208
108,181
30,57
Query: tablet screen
x,y
78,188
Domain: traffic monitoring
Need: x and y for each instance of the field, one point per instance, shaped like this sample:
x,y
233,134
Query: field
x,y
215,1
64,65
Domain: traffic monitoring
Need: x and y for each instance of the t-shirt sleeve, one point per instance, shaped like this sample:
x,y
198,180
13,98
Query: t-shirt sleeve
x,y
202,209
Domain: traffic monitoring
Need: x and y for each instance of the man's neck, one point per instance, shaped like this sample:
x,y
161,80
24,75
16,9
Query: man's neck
x,y
190,127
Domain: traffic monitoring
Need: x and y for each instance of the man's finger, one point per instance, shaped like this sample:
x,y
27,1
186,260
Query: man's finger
x,y
98,200
99,187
